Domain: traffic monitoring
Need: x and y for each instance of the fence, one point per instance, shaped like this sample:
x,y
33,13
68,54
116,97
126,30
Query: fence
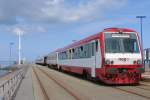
x,y
9,87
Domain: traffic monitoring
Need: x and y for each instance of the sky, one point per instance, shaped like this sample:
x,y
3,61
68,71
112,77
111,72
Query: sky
x,y
47,25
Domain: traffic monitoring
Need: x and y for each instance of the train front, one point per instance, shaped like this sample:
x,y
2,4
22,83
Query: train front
x,y
123,57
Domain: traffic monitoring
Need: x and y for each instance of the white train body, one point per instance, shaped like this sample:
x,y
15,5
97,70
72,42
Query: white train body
x,y
107,55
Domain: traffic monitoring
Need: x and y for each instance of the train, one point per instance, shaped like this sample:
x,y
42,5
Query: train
x,y
42,61
113,56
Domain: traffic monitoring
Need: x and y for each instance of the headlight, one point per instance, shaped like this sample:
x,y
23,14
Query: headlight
x,y
107,62
139,62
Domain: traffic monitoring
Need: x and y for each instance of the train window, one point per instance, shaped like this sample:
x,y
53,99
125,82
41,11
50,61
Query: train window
x,y
74,54
81,48
59,55
89,50
96,44
84,51
69,54
73,50
130,45
70,51
79,52
63,55
121,44
93,49
112,45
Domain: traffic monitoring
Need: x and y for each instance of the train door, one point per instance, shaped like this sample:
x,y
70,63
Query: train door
x,y
94,55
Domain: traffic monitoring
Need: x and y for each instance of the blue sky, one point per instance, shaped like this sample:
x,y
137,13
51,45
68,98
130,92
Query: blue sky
x,y
52,24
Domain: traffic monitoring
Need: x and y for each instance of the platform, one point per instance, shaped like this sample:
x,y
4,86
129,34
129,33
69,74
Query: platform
x,y
146,74
25,91
42,83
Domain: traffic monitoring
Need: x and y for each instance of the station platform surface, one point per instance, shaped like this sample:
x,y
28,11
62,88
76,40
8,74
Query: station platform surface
x,y
30,88
26,91
146,74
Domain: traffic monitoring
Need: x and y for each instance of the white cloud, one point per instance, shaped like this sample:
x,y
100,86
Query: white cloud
x,y
84,10
55,10
18,31
24,29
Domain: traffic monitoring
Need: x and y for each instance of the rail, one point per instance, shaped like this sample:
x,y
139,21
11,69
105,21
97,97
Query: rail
x,y
61,85
8,88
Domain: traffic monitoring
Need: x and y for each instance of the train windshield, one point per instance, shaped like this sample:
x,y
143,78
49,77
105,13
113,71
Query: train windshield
x,y
121,43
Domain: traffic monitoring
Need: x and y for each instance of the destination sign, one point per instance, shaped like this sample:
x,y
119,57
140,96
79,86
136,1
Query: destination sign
x,y
121,35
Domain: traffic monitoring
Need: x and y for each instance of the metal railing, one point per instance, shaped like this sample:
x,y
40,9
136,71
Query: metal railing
x,y
9,87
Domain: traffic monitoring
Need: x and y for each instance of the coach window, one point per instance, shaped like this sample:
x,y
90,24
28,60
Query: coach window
x,y
69,54
59,56
96,45
76,53
85,51
93,49
81,52
73,53
81,48
65,55
89,50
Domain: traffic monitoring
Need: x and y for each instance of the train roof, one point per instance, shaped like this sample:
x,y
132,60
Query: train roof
x,y
93,37
118,29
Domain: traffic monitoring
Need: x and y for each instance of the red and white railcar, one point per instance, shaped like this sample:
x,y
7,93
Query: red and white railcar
x,y
113,56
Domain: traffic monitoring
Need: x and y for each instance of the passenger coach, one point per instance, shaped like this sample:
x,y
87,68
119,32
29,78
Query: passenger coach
x,y
114,56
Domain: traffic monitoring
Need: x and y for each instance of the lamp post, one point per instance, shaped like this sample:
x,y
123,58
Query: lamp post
x,y
141,26
19,46
10,50
19,33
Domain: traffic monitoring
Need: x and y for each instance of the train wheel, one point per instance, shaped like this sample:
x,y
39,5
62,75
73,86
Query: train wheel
x,y
89,76
86,75
48,66
60,69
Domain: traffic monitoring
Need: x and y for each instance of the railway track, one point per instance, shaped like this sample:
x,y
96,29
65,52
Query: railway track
x,y
41,86
60,85
144,87
142,90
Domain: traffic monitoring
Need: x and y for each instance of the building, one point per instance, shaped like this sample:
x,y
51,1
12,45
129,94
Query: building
x,y
147,58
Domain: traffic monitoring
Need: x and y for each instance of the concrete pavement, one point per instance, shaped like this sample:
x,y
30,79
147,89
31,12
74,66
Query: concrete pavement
x,y
26,91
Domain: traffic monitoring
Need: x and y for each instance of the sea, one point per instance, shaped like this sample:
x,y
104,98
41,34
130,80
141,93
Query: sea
x,y
3,64
2,73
